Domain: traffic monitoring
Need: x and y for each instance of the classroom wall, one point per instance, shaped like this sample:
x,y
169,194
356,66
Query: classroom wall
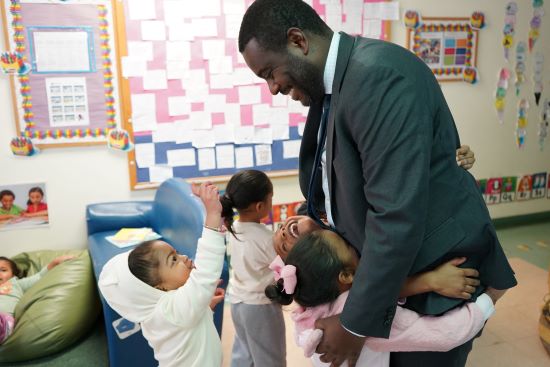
x,y
76,177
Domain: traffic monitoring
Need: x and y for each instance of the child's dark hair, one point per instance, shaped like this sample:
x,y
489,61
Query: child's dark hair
x,y
144,264
35,189
244,188
317,269
6,193
14,269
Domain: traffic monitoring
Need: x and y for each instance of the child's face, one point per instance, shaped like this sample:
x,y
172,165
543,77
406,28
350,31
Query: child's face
x,y
7,201
288,234
6,272
174,269
35,197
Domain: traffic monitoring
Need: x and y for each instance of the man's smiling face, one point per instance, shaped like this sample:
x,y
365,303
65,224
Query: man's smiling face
x,y
288,73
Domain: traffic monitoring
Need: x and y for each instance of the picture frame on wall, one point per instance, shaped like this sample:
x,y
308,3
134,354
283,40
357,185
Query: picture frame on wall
x,y
447,45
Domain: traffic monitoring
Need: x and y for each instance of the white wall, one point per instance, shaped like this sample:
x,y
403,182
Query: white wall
x,y
76,177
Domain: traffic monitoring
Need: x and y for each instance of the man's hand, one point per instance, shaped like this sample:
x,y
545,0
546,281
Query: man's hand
x,y
338,345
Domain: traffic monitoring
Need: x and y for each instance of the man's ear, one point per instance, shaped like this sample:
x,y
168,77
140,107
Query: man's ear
x,y
346,277
297,38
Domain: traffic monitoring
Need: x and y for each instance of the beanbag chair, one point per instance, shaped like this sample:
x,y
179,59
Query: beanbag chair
x,y
58,310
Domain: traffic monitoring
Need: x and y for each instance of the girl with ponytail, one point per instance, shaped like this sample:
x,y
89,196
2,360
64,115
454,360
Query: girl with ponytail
x,y
259,324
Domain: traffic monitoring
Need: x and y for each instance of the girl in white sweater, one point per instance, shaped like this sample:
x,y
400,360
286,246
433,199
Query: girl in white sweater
x,y
170,295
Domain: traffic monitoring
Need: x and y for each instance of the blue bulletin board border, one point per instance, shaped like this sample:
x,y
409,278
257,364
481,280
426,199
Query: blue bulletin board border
x,y
91,51
279,163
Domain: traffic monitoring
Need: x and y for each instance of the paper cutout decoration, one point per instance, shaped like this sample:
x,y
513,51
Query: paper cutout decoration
x,y
543,124
12,63
521,50
119,139
23,146
509,27
508,193
411,19
477,20
524,187
538,67
470,75
538,189
535,23
500,94
494,188
521,126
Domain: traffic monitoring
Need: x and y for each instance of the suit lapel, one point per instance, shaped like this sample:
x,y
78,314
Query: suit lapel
x,y
344,52
309,145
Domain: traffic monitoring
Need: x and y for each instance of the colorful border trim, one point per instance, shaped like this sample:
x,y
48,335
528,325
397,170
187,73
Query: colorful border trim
x,y
107,66
446,28
30,132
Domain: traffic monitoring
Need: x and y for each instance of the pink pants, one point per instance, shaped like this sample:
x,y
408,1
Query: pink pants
x,y
7,322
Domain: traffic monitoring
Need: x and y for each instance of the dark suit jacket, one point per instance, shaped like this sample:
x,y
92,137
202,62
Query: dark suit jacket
x,y
397,194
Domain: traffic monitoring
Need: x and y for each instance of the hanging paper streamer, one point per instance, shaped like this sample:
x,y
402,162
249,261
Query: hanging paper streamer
x,y
23,146
520,65
120,140
509,27
543,125
477,20
521,126
537,75
500,93
13,63
411,19
535,23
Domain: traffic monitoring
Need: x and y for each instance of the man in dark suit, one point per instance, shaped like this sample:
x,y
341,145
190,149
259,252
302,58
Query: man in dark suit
x,y
378,155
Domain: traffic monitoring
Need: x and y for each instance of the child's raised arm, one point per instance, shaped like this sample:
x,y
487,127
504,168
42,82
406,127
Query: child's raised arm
x,y
448,280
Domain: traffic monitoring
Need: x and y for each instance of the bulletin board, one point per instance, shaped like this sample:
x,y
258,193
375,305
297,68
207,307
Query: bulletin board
x,y
447,45
193,107
70,96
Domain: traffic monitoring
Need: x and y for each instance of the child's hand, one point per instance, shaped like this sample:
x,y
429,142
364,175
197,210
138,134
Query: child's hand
x,y
211,199
218,297
465,157
495,294
59,260
451,281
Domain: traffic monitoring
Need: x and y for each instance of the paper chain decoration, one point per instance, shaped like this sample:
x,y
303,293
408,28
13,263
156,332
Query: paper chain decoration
x,y
538,67
500,94
521,126
535,22
543,125
520,65
509,27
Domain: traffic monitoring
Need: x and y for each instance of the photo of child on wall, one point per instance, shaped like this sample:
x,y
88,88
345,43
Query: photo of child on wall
x,y
23,206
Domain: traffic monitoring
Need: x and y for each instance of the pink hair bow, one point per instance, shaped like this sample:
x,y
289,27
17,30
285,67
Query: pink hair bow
x,y
286,272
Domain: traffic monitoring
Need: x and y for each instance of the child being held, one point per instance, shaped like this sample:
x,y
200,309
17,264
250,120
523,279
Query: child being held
x,y
35,206
318,274
170,295
259,324
12,289
8,210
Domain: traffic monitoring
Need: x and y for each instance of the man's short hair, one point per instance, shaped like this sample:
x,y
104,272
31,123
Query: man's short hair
x,y
269,20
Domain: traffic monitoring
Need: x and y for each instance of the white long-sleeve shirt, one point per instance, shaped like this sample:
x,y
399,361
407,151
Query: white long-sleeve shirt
x,y
177,324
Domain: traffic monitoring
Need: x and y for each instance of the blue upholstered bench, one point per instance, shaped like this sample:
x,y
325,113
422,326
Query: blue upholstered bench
x,y
178,216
